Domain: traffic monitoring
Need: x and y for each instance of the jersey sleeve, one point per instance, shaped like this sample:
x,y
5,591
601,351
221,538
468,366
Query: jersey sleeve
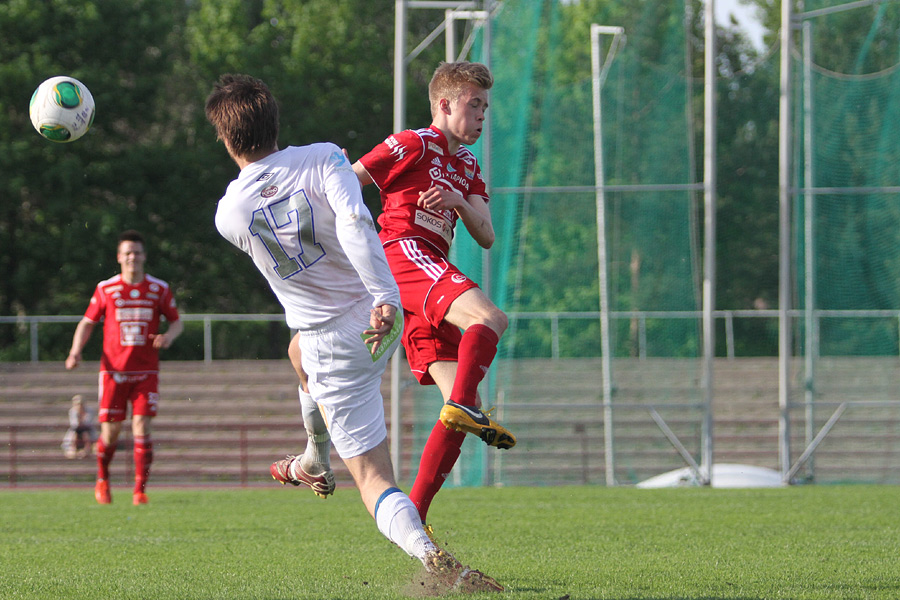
x,y
355,229
167,306
386,161
479,188
96,308
225,224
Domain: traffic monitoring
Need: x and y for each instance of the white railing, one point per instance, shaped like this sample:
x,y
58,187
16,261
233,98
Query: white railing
x,y
33,322
728,316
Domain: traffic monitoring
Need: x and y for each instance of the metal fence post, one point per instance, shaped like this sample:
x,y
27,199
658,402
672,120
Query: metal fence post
x,y
33,330
13,449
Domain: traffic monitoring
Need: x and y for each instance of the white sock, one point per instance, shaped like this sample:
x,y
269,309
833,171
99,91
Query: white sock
x,y
398,520
318,441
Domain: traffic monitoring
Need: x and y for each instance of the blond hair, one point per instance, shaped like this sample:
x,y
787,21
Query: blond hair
x,y
449,79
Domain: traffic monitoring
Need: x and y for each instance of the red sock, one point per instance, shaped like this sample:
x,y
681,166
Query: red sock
x,y
440,454
104,457
143,457
476,352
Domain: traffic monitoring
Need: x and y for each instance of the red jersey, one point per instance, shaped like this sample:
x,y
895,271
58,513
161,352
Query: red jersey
x,y
130,314
410,162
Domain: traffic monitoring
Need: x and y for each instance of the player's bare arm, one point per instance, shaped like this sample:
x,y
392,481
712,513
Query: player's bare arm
x,y
473,211
361,174
381,322
164,340
83,332
476,216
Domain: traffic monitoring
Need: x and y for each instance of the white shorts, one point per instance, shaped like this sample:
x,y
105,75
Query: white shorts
x,y
346,382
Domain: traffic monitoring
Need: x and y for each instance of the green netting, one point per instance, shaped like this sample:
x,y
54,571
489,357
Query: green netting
x,y
846,218
848,126
543,269
545,259
514,55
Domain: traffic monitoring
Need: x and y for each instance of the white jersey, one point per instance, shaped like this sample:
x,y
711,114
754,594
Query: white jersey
x,y
300,215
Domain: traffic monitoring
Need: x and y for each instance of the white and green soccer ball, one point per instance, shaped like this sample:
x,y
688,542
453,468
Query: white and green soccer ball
x,y
61,109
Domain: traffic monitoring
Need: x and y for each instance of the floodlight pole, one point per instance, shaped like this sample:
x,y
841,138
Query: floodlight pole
x,y
784,252
709,238
597,76
809,243
399,125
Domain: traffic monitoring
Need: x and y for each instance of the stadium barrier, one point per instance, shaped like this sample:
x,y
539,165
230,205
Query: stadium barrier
x,y
224,423
30,326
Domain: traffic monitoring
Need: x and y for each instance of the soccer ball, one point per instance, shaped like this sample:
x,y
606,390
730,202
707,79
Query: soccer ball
x,y
61,109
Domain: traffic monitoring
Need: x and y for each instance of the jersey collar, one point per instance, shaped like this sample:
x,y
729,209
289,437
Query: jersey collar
x,y
441,140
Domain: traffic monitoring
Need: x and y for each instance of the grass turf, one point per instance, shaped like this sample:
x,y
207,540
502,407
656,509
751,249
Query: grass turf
x,y
578,543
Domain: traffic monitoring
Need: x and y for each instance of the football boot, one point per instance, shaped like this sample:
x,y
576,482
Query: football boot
x,y
471,420
101,492
449,573
322,484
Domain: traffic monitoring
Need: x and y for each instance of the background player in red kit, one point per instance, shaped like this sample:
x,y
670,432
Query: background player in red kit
x,y
429,180
130,305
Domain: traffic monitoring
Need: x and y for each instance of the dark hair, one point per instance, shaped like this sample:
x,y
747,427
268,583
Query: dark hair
x,y
244,113
130,235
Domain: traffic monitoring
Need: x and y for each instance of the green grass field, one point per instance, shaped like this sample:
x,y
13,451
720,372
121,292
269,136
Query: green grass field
x,y
548,543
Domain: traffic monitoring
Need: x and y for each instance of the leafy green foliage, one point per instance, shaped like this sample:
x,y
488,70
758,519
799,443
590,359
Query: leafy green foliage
x,y
151,161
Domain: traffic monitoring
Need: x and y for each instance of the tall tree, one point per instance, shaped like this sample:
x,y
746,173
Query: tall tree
x,y
151,161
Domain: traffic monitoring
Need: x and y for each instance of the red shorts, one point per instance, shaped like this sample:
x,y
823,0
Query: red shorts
x,y
428,286
117,389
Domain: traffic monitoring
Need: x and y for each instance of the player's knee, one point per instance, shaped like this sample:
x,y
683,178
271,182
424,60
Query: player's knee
x,y
498,321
